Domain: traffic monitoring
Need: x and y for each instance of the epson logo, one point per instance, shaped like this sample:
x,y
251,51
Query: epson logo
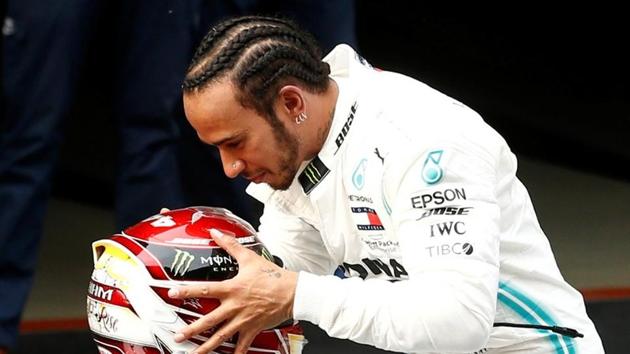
x,y
438,198
100,292
346,127
451,210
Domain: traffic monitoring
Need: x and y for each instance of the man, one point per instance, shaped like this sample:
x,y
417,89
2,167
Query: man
x,y
405,187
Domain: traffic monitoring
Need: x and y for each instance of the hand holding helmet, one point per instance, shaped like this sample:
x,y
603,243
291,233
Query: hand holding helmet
x,y
259,297
221,293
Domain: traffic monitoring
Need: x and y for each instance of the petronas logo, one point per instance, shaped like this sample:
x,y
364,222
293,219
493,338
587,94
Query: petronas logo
x,y
181,263
358,177
431,171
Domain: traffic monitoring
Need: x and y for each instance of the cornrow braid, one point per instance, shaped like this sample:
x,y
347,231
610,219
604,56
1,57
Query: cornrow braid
x,y
281,52
258,55
230,53
221,29
273,65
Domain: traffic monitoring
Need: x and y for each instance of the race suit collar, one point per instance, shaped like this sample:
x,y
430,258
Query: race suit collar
x,y
345,64
343,61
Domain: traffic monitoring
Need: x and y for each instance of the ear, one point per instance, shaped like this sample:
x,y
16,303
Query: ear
x,y
291,100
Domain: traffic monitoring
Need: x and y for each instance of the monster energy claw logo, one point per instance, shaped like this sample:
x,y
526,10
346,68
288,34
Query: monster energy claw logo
x,y
182,262
312,174
265,253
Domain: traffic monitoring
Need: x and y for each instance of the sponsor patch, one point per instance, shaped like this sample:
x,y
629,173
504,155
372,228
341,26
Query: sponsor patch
x,y
448,228
360,198
431,171
367,219
449,210
438,197
341,137
457,248
313,174
375,267
358,176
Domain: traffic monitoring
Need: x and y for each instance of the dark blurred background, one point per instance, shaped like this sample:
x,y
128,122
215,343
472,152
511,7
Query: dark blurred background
x,y
553,82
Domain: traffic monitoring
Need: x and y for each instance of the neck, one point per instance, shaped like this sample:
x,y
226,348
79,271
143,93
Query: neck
x,y
324,117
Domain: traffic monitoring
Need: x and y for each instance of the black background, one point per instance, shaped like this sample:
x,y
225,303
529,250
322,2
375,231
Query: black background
x,y
553,82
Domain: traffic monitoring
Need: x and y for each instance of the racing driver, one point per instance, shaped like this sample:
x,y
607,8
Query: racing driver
x,y
405,188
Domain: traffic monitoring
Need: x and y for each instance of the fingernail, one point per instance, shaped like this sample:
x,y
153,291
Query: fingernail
x,y
173,293
178,337
216,233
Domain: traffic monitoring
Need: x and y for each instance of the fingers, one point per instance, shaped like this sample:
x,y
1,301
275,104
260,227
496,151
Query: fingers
x,y
207,289
229,244
208,321
222,334
245,339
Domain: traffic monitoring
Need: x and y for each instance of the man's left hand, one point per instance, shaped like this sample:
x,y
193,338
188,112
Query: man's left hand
x,y
259,297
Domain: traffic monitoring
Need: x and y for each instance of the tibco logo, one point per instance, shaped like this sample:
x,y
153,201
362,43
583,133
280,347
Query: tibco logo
x,y
446,249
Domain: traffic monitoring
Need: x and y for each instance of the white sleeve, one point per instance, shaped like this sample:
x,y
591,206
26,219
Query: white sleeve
x,y
298,244
448,302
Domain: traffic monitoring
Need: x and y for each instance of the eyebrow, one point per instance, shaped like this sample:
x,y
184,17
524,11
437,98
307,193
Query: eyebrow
x,y
226,139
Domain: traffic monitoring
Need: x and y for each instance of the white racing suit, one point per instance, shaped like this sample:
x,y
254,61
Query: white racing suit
x,y
417,199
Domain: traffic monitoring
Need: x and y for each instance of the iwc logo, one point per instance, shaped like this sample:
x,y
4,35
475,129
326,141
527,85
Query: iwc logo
x,y
431,171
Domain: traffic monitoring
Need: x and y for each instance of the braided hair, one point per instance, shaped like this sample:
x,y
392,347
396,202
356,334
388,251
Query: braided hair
x,y
258,55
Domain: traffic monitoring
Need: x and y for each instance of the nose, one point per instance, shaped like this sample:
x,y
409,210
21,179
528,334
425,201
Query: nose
x,y
232,166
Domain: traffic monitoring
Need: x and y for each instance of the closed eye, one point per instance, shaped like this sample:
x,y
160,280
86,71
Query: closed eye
x,y
233,144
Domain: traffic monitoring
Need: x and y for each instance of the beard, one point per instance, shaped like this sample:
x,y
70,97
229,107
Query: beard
x,y
288,165
287,146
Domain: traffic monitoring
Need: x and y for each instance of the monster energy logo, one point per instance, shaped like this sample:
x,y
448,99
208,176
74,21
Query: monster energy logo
x,y
182,262
217,260
266,255
313,174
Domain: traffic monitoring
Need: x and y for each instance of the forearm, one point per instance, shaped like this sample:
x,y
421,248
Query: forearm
x,y
416,315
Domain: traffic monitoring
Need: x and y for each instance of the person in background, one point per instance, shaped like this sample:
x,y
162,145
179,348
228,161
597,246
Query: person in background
x,y
44,49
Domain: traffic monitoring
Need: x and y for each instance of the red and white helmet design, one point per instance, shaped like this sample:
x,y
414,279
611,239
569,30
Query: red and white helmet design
x,y
128,308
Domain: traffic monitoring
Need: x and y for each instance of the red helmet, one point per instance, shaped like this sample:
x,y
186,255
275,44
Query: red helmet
x,y
128,308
